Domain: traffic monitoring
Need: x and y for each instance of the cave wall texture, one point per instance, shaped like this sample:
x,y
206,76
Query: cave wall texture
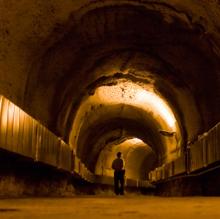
x,y
54,54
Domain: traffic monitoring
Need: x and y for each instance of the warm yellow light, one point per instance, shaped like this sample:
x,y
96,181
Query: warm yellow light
x,y
134,141
144,101
4,118
10,117
11,109
132,158
135,95
157,103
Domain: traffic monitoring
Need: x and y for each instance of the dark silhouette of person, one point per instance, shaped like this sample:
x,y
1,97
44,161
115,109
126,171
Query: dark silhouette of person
x,y
119,173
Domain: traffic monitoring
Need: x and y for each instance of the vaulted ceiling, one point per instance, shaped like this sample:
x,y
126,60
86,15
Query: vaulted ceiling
x,y
55,56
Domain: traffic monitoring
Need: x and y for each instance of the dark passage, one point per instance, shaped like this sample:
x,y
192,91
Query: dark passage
x,y
83,80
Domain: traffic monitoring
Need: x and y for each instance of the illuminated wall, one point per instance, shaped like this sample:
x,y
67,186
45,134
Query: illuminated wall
x,y
133,102
68,64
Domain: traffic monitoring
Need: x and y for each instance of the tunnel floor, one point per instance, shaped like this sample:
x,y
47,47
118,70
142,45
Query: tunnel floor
x,y
128,206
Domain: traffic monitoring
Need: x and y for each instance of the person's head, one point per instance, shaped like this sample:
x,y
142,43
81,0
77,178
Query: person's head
x,y
119,154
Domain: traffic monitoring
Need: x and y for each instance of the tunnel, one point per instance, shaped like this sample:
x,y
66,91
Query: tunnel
x,y
103,76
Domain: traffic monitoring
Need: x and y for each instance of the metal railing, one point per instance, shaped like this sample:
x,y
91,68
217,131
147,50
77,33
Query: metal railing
x,y
201,154
21,134
24,135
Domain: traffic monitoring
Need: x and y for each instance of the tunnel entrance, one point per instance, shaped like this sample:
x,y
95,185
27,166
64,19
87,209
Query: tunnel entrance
x,y
100,75
139,158
114,117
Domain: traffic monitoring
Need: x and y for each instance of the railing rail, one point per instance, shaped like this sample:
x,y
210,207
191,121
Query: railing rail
x,y
24,135
201,154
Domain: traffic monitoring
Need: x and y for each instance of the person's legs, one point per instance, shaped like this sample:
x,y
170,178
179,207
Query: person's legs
x,y
116,183
122,181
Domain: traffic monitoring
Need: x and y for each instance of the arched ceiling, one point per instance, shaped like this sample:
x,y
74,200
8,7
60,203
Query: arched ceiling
x,y
55,54
128,109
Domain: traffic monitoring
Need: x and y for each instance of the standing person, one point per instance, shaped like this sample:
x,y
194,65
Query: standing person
x,y
119,172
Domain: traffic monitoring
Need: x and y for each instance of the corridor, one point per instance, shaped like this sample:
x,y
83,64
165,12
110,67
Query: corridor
x,y
81,80
111,207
